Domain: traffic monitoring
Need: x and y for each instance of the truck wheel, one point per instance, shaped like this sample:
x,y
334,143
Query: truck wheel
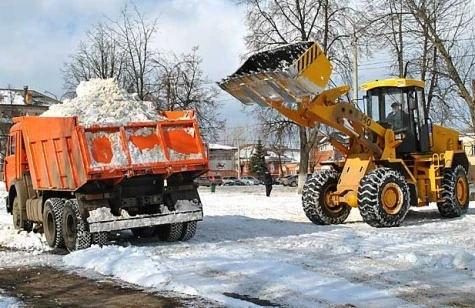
x,y
383,198
99,238
455,193
316,199
19,222
144,232
75,233
52,212
189,230
170,232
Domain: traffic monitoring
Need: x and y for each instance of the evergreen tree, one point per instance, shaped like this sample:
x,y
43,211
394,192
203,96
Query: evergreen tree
x,y
257,161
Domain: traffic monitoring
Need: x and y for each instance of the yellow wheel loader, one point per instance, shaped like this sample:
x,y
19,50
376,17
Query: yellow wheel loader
x,y
394,156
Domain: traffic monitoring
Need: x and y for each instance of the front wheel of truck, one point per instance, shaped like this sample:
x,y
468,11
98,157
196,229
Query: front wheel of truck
x,y
19,221
75,232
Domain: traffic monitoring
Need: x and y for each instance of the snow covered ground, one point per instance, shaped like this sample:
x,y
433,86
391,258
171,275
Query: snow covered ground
x,y
251,248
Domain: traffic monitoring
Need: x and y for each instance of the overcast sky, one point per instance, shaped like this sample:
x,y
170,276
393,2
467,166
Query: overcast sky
x,y
38,35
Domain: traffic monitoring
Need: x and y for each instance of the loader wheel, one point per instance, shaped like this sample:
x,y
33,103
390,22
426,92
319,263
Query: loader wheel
x,y
144,232
383,198
75,232
455,193
52,212
316,201
170,232
189,230
19,222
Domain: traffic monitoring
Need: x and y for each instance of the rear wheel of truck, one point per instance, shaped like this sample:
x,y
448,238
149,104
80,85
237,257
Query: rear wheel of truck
x,y
75,233
455,193
99,238
19,222
383,198
170,232
189,230
52,212
144,232
316,200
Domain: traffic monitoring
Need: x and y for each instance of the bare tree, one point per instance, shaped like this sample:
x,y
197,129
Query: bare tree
x,y
134,33
97,56
181,85
454,25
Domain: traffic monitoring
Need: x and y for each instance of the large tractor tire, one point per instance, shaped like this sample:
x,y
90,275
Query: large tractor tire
x,y
75,232
383,198
52,228
316,199
19,222
144,232
170,232
455,193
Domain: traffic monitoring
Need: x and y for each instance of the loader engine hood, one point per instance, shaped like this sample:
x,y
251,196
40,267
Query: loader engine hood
x,y
286,74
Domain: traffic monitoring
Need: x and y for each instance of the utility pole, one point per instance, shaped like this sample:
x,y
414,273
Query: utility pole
x,y
355,65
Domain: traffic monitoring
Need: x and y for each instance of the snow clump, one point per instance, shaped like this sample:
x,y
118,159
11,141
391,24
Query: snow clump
x,y
102,102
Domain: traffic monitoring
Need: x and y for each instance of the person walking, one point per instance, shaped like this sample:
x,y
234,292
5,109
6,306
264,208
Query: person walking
x,y
268,182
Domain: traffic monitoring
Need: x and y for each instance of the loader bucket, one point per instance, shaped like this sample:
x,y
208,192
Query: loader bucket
x,y
286,75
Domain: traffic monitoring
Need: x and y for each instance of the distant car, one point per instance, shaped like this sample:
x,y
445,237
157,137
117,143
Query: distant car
x,y
249,180
291,180
229,180
202,181
279,180
216,179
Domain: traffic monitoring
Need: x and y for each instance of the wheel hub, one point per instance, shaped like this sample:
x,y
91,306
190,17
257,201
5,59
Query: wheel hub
x,y
461,191
70,228
331,206
392,198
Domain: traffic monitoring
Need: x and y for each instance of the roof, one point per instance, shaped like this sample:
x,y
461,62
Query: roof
x,y
394,82
16,97
214,146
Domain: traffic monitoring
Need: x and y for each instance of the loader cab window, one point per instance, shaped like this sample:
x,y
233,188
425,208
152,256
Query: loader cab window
x,y
399,109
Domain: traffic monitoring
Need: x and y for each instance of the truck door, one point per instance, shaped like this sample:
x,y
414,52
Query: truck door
x,y
10,165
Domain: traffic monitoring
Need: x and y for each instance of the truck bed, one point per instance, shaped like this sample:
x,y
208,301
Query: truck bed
x,y
63,155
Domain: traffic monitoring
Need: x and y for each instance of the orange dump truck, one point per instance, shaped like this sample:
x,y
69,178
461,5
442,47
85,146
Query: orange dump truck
x,y
77,183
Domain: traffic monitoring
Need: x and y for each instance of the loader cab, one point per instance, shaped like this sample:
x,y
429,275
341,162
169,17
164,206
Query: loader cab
x,y
399,104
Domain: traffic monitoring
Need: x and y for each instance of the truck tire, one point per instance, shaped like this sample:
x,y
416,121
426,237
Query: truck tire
x,y
383,198
144,232
75,232
99,238
52,213
316,203
170,232
455,193
19,222
189,230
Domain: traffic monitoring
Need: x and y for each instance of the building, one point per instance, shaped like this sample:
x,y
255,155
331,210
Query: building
x,y
19,102
222,160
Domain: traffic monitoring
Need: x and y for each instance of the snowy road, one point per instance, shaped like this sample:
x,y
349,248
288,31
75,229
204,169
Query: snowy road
x,y
253,249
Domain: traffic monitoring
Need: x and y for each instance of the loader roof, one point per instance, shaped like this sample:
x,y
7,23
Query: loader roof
x,y
394,82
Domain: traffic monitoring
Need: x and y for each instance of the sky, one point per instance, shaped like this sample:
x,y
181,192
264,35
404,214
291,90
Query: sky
x,y
38,36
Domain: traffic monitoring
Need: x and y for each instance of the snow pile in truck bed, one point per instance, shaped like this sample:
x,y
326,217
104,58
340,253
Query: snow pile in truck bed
x,y
102,102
